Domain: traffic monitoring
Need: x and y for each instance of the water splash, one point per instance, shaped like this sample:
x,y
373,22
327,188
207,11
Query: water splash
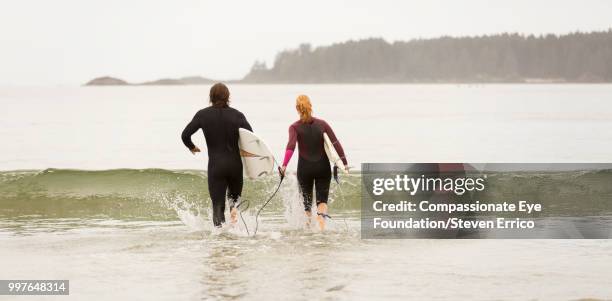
x,y
294,215
189,212
293,203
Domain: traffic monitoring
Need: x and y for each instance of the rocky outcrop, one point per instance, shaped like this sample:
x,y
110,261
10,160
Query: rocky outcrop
x,y
190,80
106,81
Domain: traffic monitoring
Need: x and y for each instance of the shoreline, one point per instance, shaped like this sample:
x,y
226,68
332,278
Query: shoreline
x,y
358,83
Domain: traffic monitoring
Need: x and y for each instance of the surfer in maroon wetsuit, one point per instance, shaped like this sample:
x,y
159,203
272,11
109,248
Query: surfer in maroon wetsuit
x,y
313,165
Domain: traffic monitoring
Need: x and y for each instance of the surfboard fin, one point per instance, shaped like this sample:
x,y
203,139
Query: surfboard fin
x,y
336,175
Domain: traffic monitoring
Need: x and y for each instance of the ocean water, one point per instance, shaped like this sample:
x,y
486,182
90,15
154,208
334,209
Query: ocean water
x,y
96,187
140,127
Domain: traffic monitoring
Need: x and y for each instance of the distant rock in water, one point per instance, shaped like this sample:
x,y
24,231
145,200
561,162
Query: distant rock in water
x,y
163,82
190,80
106,81
196,80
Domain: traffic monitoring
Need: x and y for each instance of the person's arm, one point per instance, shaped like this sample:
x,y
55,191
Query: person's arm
x,y
244,123
335,142
290,146
189,130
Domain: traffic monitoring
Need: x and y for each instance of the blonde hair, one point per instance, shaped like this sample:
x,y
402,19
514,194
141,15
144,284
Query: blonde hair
x,y
304,107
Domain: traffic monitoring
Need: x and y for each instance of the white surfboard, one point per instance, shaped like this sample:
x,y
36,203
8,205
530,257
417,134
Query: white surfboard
x,y
257,159
333,156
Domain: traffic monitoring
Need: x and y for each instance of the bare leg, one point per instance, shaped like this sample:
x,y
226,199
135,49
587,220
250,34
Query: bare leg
x,y
321,209
234,215
308,217
233,209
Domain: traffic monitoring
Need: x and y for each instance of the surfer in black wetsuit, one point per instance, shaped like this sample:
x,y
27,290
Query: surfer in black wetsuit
x,y
313,165
220,125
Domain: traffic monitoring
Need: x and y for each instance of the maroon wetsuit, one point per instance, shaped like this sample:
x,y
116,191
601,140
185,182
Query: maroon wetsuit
x,y
313,164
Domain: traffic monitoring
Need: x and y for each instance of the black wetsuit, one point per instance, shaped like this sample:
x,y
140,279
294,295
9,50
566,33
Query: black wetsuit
x,y
313,165
220,126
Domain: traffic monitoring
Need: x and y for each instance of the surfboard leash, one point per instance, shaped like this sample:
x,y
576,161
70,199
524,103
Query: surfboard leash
x,y
240,213
282,177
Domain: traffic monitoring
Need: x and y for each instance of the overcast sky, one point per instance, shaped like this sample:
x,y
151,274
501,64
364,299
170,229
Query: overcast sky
x,y
66,42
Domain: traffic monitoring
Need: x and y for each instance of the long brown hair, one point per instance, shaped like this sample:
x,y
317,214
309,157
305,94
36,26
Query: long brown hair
x,y
304,108
219,95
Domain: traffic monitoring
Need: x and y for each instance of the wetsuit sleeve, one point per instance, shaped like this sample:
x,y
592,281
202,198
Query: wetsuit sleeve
x,y
290,145
189,130
288,155
335,142
244,123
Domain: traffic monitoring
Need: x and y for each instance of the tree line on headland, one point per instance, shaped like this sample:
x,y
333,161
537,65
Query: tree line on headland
x,y
574,57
